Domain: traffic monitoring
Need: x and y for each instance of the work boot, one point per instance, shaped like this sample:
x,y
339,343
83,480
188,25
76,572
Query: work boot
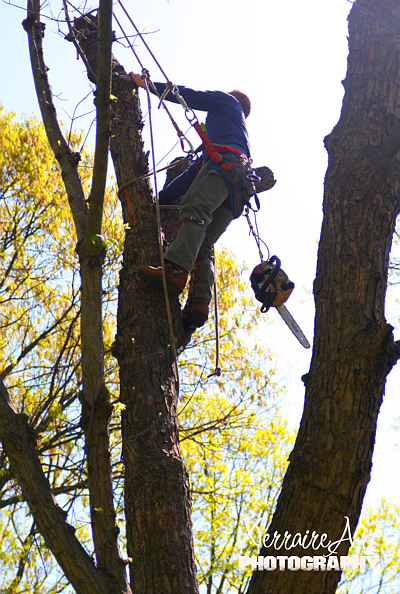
x,y
175,275
194,314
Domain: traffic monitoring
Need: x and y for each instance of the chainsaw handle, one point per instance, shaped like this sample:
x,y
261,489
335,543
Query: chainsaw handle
x,y
273,260
266,304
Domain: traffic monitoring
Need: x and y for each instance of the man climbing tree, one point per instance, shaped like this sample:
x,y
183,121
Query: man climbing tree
x,y
214,194
354,349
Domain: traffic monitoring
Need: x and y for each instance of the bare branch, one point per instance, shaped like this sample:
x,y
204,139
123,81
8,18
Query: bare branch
x,y
67,160
18,444
27,349
72,37
103,109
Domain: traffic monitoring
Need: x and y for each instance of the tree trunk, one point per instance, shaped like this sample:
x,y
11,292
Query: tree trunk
x,y
96,407
354,348
157,493
18,442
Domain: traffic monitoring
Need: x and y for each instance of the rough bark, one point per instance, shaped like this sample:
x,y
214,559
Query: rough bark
x,y
354,348
157,494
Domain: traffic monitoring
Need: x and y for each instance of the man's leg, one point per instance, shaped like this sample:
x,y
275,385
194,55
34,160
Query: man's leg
x,y
195,313
204,196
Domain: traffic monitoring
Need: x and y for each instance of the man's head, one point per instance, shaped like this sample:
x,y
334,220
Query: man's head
x,y
243,100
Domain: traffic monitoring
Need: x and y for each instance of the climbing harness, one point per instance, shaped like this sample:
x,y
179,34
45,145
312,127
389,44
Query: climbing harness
x,y
237,191
213,150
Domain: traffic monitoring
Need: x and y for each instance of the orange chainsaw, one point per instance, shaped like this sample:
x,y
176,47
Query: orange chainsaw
x,y
271,286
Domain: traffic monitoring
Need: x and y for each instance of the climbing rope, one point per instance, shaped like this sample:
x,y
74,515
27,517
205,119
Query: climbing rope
x,y
192,119
146,80
150,174
169,86
142,39
159,230
217,371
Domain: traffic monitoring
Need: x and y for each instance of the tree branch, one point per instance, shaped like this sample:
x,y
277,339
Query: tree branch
x,y
77,565
56,491
103,111
67,160
395,354
96,407
22,560
72,37
27,349
388,151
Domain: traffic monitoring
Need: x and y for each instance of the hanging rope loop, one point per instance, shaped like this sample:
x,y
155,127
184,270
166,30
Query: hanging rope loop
x,y
217,371
255,233
145,76
191,153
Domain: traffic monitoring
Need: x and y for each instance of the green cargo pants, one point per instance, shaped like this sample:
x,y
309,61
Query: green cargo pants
x,y
203,221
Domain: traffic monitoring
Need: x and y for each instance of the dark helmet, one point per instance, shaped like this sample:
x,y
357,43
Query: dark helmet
x,y
243,100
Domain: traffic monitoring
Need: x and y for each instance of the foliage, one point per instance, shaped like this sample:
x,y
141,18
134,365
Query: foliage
x,y
378,535
40,344
234,441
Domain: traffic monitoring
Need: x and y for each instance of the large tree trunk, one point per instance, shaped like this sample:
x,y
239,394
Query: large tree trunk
x,y
354,348
157,494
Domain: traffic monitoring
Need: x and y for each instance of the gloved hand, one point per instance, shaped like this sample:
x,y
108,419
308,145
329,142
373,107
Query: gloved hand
x,y
137,79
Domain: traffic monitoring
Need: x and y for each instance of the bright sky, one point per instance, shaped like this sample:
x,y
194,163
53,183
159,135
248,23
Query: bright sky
x,y
290,58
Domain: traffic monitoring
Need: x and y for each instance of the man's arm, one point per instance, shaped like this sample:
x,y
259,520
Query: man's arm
x,y
210,101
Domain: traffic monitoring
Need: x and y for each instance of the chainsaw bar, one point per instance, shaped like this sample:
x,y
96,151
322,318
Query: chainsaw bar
x,y
293,325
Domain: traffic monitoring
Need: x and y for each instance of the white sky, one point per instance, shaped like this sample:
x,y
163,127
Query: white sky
x,y
290,58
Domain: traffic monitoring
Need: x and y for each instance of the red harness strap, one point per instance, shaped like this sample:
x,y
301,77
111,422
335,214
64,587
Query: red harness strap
x,y
213,150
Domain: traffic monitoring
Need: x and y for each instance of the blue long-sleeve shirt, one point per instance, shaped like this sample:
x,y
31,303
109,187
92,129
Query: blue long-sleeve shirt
x,y
225,118
224,124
